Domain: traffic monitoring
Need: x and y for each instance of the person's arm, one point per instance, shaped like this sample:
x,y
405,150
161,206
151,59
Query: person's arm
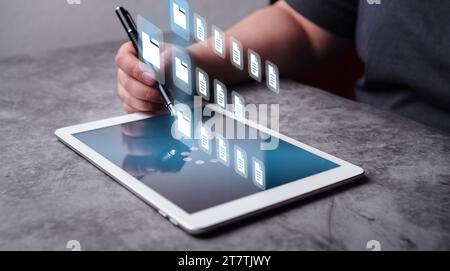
x,y
278,33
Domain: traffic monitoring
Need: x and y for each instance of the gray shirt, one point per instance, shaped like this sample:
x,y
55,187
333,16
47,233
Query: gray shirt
x,y
405,47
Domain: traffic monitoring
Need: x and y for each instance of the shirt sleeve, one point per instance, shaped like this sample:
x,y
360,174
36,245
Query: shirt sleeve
x,y
336,16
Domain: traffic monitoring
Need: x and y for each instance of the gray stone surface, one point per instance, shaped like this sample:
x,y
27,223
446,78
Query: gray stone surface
x,y
49,194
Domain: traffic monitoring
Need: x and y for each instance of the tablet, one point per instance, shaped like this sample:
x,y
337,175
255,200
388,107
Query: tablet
x,y
201,174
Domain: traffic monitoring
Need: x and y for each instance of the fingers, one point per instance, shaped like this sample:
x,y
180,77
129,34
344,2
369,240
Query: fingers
x,y
127,61
136,78
129,109
137,88
133,104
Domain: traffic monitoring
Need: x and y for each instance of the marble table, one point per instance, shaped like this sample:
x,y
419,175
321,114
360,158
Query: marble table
x,y
50,195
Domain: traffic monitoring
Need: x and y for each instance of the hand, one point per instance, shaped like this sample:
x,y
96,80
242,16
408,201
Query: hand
x,y
135,81
150,147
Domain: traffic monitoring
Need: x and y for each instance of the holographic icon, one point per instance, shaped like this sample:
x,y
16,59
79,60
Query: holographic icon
x,y
222,150
236,54
272,77
220,92
218,41
202,83
259,175
254,66
180,18
240,161
201,29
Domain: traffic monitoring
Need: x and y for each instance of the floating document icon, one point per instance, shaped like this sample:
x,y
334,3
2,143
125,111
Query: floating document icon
x,y
204,140
184,124
222,150
272,75
259,177
202,83
219,41
254,67
220,96
236,54
220,92
200,28
151,52
238,105
179,16
151,40
182,70
240,161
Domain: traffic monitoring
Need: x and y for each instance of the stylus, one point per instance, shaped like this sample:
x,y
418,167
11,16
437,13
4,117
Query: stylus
x,y
131,29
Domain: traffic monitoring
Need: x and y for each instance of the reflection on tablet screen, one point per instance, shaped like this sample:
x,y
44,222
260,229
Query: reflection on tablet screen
x,y
197,174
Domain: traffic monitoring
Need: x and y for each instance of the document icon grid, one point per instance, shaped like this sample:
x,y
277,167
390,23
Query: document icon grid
x,y
258,173
179,16
218,42
151,52
240,162
222,150
272,77
182,70
236,50
200,29
184,124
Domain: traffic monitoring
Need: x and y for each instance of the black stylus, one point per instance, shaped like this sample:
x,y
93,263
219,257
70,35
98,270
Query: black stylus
x,y
131,29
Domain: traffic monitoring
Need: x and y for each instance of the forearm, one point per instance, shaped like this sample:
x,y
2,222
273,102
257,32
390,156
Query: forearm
x,y
278,34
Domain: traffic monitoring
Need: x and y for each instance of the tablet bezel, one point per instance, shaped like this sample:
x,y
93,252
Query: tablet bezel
x,y
212,217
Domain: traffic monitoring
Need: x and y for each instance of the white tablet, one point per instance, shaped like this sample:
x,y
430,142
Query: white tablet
x,y
214,176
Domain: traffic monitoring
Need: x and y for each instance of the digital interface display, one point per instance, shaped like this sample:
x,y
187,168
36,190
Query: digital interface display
x,y
203,172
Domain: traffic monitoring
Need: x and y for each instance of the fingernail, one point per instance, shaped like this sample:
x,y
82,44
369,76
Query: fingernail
x,y
148,78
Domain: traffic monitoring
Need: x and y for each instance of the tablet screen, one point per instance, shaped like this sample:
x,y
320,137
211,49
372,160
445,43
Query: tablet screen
x,y
203,172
